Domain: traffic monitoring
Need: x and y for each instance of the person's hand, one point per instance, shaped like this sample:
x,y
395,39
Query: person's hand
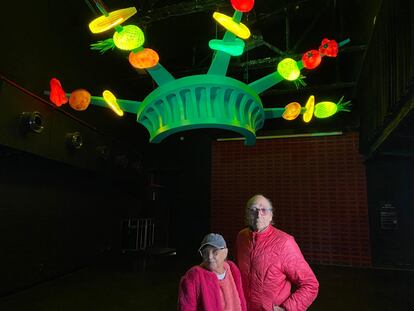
x,y
276,308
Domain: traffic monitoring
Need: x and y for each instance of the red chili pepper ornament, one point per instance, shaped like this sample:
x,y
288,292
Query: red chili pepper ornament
x,y
57,94
329,48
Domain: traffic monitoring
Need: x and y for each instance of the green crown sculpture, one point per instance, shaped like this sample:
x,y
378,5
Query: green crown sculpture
x,y
210,100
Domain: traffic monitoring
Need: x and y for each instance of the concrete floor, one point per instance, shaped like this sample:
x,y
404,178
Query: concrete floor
x,y
137,283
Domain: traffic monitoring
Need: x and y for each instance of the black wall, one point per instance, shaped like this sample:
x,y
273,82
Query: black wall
x,y
57,217
53,218
182,165
387,77
385,90
390,181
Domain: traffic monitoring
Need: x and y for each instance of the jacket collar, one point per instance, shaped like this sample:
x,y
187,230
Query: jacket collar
x,y
262,234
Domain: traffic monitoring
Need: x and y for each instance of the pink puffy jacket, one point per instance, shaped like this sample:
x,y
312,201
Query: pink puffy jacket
x,y
270,262
199,290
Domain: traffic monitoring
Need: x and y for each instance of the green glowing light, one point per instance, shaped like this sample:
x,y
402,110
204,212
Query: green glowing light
x,y
111,100
310,106
103,23
288,69
327,109
233,48
129,38
238,29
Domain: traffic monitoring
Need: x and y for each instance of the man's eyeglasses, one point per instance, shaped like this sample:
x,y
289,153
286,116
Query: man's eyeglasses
x,y
261,210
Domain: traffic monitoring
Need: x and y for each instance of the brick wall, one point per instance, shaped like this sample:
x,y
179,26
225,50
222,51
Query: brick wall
x,y
317,186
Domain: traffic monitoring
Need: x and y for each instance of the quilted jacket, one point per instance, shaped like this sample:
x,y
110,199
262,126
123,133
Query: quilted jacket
x,y
270,262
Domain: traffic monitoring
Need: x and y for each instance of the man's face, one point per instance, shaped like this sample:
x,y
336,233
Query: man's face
x,y
213,258
259,215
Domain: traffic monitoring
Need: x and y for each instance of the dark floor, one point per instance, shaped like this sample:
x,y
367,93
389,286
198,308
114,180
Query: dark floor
x,y
137,283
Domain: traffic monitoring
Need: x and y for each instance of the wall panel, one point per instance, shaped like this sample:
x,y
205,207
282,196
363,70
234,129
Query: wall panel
x,y
317,185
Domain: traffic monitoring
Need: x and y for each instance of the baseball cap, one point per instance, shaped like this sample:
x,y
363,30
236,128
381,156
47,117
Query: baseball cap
x,y
213,239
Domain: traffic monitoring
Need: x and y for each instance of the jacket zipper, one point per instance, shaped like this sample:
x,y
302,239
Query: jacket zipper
x,y
250,263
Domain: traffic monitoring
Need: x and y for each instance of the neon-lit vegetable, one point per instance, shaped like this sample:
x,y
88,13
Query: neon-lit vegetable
x,y
238,29
288,69
146,58
329,48
310,105
80,99
311,59
110,99
292,111
327,109
242,5
113,19
57,94
129,38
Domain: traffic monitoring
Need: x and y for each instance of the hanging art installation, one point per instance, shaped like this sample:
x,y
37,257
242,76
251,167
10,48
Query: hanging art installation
x,y
210,100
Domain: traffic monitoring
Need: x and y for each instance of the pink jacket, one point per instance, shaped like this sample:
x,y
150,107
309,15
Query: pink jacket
x,y
200,290
269,262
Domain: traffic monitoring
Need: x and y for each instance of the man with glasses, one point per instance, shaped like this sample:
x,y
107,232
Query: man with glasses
x,y
271,262
215,284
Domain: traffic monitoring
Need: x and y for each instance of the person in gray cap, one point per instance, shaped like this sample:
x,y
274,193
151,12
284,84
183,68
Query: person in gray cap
x,y
215,284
